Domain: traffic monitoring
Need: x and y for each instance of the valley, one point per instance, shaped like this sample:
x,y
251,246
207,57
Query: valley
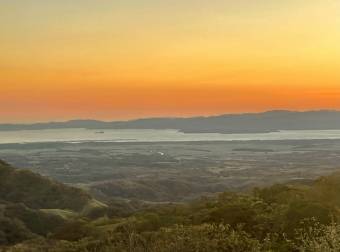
x,y
175,171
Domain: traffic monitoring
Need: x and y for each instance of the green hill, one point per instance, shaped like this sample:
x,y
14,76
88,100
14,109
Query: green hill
x,y
283,217
35,191
32,205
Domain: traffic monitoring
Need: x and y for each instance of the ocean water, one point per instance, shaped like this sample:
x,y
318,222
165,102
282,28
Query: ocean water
x,y
130,135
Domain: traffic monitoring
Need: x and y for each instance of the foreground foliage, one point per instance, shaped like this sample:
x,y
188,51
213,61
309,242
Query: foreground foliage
x,y
301,217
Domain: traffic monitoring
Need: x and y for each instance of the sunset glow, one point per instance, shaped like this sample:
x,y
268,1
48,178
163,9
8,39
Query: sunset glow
x,y
143,58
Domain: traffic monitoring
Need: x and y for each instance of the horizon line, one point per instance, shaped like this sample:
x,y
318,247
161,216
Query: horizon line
x,y
171,117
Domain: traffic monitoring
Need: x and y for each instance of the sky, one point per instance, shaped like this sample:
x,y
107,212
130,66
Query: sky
x,y
117,60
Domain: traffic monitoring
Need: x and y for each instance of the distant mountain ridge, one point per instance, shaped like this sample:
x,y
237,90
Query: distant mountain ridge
x,y
229,123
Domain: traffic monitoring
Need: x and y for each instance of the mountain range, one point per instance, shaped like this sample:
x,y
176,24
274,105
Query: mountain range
x,y
229,123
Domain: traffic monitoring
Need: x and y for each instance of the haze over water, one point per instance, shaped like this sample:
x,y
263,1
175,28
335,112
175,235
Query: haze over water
x,y
149,135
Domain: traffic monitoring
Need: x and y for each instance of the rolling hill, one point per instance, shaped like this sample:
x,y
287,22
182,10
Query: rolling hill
x,y
32,205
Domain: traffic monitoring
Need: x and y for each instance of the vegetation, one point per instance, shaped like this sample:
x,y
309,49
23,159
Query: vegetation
x,y
299,217
34,191
31,205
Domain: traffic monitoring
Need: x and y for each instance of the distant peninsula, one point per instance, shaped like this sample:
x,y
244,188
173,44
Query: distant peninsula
x,y
269,121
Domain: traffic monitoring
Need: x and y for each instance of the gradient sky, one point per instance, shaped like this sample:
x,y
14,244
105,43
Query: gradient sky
x,y
137,58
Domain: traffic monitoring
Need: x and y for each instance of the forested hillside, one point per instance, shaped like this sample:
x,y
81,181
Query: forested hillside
x,y
283,217
31,205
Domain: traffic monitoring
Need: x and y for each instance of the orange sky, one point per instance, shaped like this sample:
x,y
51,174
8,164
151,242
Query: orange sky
x,y
137,58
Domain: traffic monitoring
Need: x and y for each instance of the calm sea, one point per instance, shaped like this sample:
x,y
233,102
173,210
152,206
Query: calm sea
x,y
84,135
